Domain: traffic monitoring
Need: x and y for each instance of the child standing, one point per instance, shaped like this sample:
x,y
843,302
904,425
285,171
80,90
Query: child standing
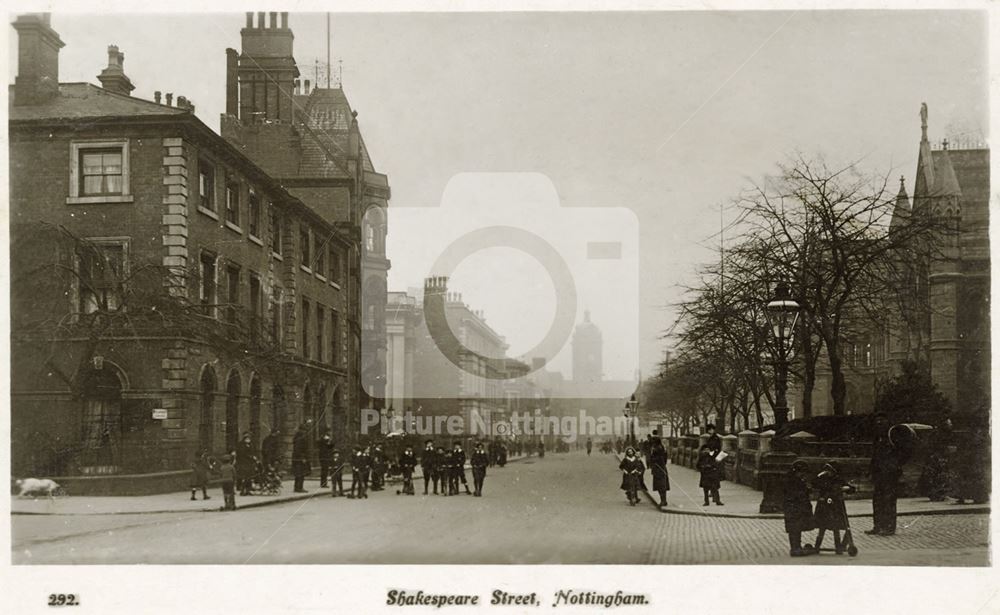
x,y
337,474
407,462
797,508
228,482
831,512
200,469
710,475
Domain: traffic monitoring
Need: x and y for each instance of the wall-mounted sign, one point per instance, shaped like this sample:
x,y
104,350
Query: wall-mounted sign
x,y
159,414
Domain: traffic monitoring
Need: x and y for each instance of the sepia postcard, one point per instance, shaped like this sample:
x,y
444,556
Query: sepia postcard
x,y
339,308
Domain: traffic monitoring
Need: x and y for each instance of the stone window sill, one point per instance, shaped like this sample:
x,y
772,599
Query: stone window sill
x,y
256,240
233,227
208,212
100,199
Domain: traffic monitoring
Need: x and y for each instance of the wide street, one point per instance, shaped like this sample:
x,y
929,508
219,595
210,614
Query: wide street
x,y
565,508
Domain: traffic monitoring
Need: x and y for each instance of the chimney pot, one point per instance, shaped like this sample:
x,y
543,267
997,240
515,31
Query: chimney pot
x,y
307,87
260,20
250,19
274,20
284,21
170,99
156,96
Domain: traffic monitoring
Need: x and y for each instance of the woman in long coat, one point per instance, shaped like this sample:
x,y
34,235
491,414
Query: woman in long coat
x,y
246,464
658,466
797,508
632,470
300,458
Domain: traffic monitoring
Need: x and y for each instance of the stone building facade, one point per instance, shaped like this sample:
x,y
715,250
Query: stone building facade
x,y
168,294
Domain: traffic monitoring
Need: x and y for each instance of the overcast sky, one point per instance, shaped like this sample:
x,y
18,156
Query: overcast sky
x,y
668,114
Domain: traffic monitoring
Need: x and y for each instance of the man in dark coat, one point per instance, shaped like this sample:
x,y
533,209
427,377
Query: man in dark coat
x,y
711,475
246,465
324,452
480,459
797,508
458,467
658,466
885,469
300,457
429,466
590,446
714,442
379,465
360,467
270,449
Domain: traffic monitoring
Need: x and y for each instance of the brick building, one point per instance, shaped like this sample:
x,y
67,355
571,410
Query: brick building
x,y
168,293
308,138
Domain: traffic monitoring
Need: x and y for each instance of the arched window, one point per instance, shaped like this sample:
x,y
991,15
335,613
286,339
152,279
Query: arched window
x,y
102,421
233,387
206,417
374,230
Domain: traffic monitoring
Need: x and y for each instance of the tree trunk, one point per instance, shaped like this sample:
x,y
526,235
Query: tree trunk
x,y
808,372
838,385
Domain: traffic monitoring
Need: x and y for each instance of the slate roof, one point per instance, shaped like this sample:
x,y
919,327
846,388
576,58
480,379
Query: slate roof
x,y
327,115
84,100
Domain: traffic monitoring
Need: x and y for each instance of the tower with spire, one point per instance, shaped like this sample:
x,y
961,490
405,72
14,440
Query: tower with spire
x,y
947,327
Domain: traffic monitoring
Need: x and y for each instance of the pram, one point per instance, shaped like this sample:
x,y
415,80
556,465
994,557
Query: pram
x,y
267,480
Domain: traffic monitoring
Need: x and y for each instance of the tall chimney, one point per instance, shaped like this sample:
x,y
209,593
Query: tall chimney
x,y
232,83
113,77
38,48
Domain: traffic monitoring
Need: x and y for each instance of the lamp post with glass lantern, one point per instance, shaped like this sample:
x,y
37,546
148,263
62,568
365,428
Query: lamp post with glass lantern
x,y
631,410
782,314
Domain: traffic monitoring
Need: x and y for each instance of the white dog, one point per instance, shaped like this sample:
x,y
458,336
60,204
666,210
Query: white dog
x,y
37,486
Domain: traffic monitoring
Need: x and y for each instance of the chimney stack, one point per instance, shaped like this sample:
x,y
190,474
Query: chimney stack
x,y
157,96
306,90
113,77
232,82
170,99
38,48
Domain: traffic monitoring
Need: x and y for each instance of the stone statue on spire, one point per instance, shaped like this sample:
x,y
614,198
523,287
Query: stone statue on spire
x,y
923,121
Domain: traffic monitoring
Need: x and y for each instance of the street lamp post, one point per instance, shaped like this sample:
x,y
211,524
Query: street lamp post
x,y
631,409
782,314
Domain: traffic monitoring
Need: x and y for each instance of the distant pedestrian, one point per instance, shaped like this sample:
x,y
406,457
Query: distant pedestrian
x,y
480,459
632,470
337,464
886,468
407,462
300,458
246,465
428,465
228,473
202,466
714,442
711,475
831,512
458,467
541,448
379,466
324,453
360,467
658,467
503,455
797,508
590,446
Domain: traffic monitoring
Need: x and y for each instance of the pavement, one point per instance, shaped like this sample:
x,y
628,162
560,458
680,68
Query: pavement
x,y
563,509
180,501
739,501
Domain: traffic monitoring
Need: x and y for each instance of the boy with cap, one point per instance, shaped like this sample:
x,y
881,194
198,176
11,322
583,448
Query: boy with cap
x,y
228,473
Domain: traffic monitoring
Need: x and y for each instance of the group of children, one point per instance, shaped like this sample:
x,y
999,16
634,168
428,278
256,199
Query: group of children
x,y
447,468
830,513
